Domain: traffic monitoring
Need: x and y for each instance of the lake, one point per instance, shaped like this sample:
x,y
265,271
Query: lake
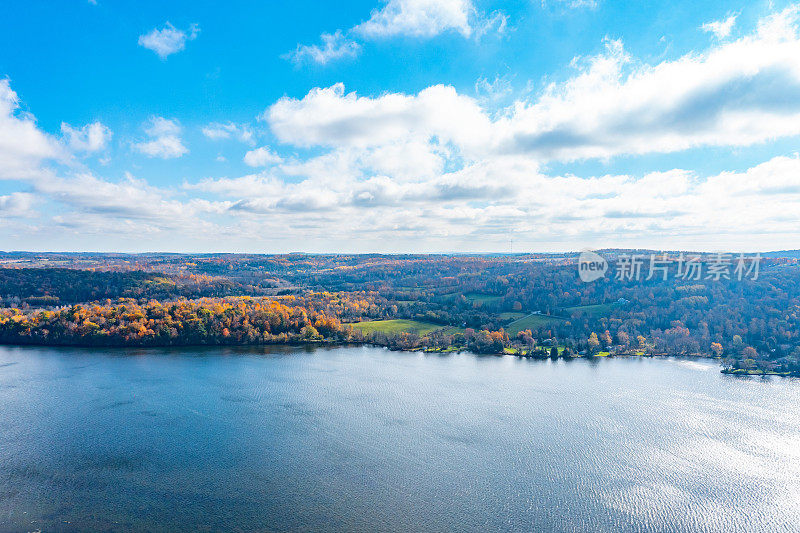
x,y
364,439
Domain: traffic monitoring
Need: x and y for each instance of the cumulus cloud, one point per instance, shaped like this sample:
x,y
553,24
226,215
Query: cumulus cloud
x,y
43,166
168,40
418,18
334,46
165,141
720,28
423,19
332,117
451,170
406,160
736,93
23,146
439,162
17,204
261,157
127,198
90,138
216,131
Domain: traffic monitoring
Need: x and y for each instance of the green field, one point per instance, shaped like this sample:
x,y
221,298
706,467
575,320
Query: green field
x,y
529,322
481,298
394,327
511,315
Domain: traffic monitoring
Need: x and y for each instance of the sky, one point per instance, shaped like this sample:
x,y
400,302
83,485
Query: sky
x,y
399,126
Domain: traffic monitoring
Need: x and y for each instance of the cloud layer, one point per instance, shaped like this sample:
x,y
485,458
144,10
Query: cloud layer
x,y
439,170
735,94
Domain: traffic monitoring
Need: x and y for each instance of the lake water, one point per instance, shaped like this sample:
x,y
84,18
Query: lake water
x,y
363,439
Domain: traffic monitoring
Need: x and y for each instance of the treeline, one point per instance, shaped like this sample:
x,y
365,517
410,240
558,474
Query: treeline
x,y
44,287
232,320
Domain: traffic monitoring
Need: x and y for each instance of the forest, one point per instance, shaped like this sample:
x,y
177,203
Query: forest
x,y
529,305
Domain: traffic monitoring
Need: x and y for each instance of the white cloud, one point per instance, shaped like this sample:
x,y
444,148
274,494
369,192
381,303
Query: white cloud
x,y
334,46
23,146
720,28
17,204
90,138
403,160
163,147
331,117
168,40
409,18
410,160
493,91
508,196
165,140
737,93
262,157
494,23
132,201
438,170
438,163
93,204
253,185
128,198
216,131
418,18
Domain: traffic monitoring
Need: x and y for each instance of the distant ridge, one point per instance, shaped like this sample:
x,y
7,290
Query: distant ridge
x,y
783,253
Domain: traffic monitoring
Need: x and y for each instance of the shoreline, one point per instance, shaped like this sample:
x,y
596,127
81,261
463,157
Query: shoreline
x,y
448,350
756,372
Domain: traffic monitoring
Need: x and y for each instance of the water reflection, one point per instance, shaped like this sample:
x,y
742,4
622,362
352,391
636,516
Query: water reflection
x,y
362,438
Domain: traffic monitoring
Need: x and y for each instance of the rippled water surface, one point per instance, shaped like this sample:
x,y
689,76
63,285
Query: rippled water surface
x,y
369,440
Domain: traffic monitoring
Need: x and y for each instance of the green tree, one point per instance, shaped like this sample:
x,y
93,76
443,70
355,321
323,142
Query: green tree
x,y
309,333
737,344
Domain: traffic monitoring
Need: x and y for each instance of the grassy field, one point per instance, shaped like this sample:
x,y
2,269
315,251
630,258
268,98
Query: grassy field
x,y
529,322
452,330
511,315
481,298
393,327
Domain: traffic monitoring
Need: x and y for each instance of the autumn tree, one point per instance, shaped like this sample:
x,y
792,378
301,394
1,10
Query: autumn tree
x,y
716,349
594,343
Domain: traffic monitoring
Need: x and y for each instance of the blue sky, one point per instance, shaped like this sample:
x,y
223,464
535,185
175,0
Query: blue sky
x,y
399,125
